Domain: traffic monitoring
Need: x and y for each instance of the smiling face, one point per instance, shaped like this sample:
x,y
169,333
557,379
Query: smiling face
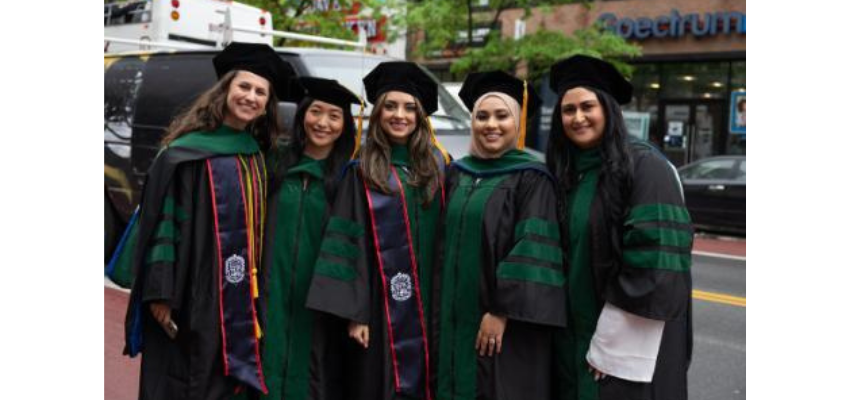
x,y
398,116
247,97
493,126
582,117
323,123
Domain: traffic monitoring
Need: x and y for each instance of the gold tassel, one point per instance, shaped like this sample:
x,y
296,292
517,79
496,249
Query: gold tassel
x,y
258,331
263,189
437,142
359,130
521,142
255,293
248,170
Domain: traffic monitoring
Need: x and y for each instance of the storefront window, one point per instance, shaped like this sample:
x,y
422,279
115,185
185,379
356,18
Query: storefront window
x,y
694,80
739,76
646,81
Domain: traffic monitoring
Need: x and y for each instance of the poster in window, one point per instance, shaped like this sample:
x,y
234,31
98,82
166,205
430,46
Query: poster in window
x,y
738,113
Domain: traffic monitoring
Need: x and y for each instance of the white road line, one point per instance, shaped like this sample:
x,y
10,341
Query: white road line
x,y
718,255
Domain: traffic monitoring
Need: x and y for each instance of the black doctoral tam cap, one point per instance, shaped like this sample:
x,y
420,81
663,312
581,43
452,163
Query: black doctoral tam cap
x,y
592,72
259,59
479,83
405,77
329,91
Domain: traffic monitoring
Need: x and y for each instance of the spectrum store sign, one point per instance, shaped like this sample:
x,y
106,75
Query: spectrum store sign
x,y
677,25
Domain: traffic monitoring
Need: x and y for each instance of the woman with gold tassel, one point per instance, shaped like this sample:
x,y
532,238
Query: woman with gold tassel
x,y
197,245
501,283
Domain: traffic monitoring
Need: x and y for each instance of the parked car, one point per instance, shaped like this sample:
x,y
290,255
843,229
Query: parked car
x,y
716,193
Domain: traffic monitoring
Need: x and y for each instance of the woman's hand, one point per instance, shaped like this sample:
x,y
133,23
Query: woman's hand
x,y
161,312
360,333
490,334
597,374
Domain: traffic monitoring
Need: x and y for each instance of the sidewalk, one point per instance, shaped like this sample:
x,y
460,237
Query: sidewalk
x,y
722,245
121,373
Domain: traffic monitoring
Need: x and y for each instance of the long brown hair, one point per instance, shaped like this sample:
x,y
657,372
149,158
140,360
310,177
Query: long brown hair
x,y
375,155
208,111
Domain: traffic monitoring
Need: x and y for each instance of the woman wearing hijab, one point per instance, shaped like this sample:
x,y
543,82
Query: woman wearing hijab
x,y
501,292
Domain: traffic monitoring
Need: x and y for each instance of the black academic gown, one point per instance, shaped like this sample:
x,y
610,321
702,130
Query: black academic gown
x,y
348,284
176,262
650,277
500,255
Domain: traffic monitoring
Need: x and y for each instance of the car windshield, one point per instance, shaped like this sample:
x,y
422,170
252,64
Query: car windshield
x,y
709,169
741,173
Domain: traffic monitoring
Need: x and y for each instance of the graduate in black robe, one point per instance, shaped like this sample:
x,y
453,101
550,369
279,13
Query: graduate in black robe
x,y
197,245
301,347
501,292
375,261
628,236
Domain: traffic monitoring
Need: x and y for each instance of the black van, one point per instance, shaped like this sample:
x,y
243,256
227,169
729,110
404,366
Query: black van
x,y
144,91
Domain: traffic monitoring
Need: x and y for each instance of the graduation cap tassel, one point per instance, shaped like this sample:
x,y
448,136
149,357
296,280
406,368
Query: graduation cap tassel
x,y
359,130
255,293
437,142
522,123
251,178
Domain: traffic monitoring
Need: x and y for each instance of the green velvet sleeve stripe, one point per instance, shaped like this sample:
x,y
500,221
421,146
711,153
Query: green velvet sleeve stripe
x,y
339,248
345,227
658,212
538,226
539,251
169,207
161,253
655,236
530,273
654,259
166,229
334,270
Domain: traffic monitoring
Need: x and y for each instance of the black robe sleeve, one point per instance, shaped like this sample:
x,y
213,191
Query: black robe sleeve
x,y
341,284
654,280
168,254
530,280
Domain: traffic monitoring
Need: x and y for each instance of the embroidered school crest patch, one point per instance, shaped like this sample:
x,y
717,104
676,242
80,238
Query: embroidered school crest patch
x,y
401,286
234,269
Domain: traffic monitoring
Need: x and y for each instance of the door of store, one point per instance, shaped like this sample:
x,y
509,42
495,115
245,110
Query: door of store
x,y
691,129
